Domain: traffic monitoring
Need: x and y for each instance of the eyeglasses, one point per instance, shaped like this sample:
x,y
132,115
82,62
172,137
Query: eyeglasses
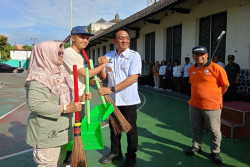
x,y
123,38
60,53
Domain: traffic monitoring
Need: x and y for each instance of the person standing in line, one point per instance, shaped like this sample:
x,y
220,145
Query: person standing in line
x,y
177,73
216,59
233,73
151,74
49,93
156,69
140,79
80,40
123,70
145,73
169,76
208,84
162,73
185,80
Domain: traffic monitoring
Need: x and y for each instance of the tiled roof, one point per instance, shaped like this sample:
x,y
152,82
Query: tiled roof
x,y
153,9
101,20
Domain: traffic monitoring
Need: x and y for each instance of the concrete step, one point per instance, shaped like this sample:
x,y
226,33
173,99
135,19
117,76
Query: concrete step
x,y
234,130
228,128
233,115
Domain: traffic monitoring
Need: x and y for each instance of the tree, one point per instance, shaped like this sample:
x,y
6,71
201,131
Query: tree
x,y
66,45
3,42
27,47
3,46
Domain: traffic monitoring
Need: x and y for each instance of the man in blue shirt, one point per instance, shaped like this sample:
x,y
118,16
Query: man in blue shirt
x,y
123,69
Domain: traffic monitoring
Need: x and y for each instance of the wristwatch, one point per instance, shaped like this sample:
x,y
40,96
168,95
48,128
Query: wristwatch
x,y
112,89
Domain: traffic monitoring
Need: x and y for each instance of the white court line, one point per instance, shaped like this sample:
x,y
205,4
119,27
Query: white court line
x,y
144,102
25,151
12,110
15,154
164,94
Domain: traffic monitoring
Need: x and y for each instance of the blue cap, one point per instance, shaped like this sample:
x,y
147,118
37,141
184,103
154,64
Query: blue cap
x,y
80,30
199,49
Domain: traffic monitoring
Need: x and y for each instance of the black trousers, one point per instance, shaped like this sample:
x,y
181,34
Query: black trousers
x,y
231,93
162,81
177,84
130,113
186,87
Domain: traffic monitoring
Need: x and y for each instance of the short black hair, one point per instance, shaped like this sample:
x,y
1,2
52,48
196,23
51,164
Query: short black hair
x,y
176,61
217,56
119,29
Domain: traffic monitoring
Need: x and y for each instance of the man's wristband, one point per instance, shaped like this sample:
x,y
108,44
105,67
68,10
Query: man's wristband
x,y
64,109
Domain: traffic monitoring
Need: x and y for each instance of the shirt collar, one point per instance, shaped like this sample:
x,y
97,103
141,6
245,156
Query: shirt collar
x,y
207,64
125,53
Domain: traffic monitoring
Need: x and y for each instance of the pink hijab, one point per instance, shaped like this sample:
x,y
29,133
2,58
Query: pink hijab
x,y
44,69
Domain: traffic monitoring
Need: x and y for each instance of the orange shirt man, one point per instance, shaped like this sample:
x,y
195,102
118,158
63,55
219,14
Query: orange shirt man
x,y
208,84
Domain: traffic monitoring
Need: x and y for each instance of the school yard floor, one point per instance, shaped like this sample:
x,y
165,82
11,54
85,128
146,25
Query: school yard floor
x,y
163,127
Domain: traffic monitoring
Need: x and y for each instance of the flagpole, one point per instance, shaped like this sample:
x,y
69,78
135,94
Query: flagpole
x,y
70,19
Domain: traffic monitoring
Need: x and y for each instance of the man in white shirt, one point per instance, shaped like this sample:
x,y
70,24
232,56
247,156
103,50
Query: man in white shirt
x,y
123,69
185,80
216,59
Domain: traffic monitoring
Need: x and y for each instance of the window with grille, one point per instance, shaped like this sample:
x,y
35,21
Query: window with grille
x,y
93,55
98,52
104,50
133,43
149,46
111,47
174,39
210,28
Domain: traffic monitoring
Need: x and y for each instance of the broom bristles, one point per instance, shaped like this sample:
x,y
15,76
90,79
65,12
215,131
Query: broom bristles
x,y
118,121
78,156
115,124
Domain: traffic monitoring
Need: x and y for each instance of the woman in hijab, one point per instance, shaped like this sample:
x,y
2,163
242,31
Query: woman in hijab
x,y
50,99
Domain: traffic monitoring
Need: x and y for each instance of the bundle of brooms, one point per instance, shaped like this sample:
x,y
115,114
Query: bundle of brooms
x,y
78,158
118,121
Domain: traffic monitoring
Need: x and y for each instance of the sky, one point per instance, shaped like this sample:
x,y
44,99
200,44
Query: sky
x,y
22,20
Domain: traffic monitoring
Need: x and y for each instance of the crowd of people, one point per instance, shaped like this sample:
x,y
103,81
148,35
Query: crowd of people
x,y
173,77
166,75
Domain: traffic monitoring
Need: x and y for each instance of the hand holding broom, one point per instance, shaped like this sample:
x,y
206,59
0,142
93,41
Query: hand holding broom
x,y
118,121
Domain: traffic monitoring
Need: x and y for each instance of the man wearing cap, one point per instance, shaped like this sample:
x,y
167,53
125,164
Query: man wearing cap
x,y
208,84
233,73
80,40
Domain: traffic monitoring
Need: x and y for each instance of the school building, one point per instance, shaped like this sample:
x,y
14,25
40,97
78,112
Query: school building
x,y
169,29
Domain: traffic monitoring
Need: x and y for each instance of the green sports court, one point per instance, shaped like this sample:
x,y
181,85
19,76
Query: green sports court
x,y
163,126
